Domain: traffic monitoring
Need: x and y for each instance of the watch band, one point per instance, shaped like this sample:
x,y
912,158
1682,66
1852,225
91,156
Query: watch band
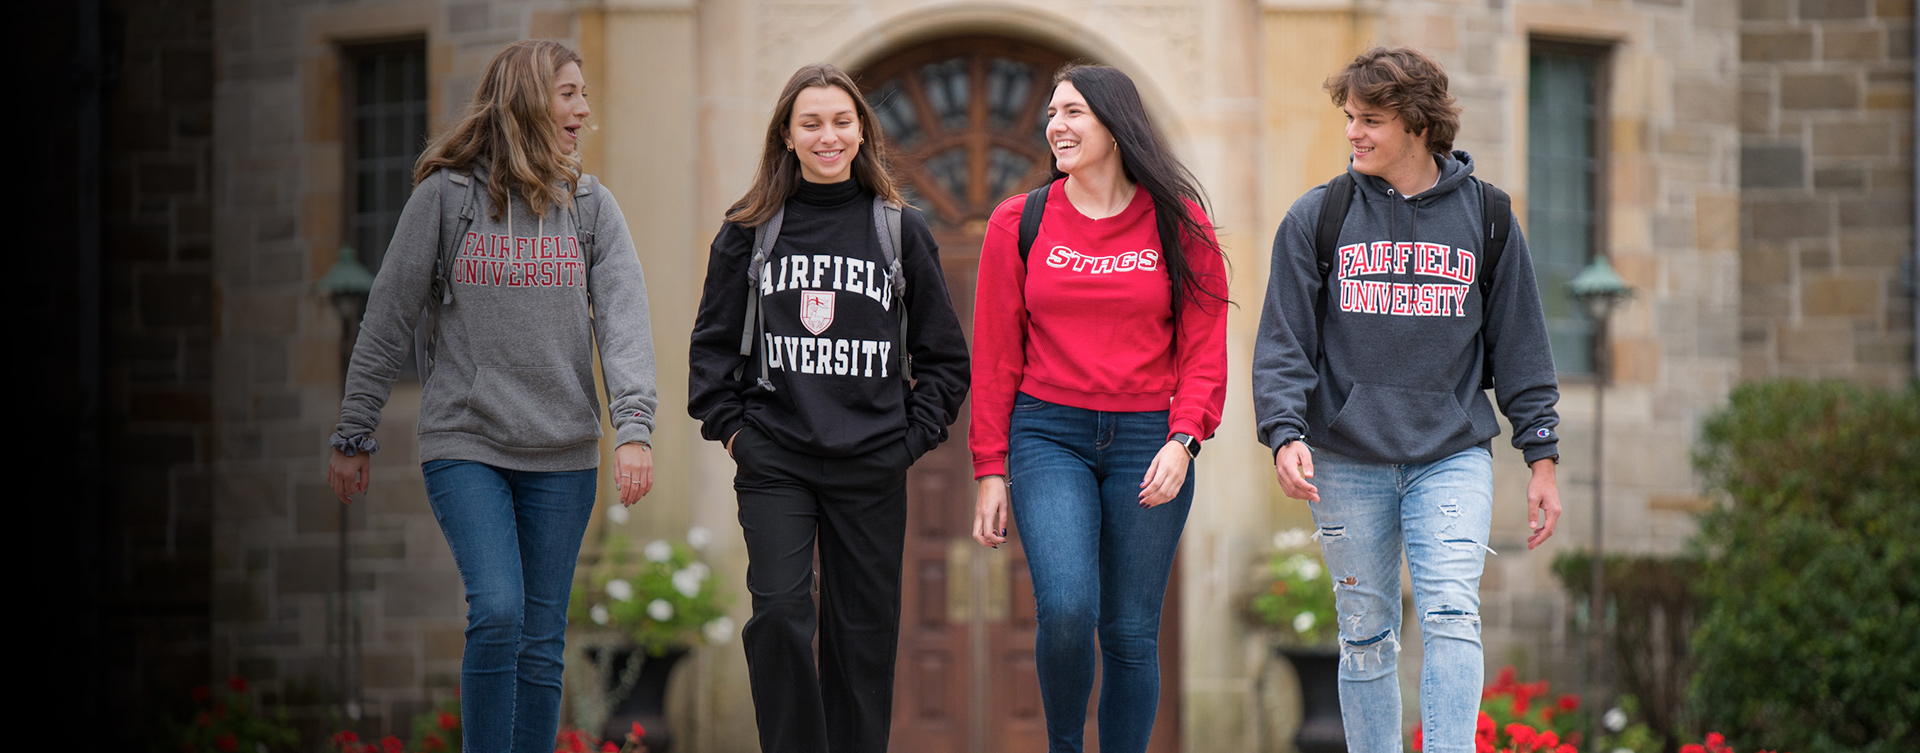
x,y
1187,441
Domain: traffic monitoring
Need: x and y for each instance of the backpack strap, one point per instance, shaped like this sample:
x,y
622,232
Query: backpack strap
x,y
585,230
1030,219
1497,213
440,288
886,224
1326,238
764,236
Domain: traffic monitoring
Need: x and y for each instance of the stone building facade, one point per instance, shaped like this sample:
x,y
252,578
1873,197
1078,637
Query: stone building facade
x,y
1756,175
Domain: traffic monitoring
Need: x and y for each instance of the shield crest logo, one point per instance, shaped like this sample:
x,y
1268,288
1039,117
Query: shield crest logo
x,y
816,310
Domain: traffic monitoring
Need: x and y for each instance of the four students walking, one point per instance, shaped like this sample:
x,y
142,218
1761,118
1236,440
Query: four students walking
x,y
826,356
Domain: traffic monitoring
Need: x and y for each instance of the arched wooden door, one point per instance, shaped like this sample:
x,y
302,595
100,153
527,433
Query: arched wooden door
x,y
965,119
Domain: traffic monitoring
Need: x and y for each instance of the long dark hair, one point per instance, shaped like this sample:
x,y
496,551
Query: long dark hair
x,y
1148,162
779,175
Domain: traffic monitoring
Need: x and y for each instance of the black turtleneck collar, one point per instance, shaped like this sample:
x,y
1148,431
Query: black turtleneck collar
x,y
827,194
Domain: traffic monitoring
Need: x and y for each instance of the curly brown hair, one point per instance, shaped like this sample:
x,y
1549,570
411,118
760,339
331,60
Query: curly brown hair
x,y
1406,82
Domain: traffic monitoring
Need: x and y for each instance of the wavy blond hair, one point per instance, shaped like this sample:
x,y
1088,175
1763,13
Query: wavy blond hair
x,y
508,130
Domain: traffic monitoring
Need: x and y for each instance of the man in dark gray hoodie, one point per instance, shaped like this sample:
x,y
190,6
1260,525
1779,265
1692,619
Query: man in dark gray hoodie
x,y
1375,348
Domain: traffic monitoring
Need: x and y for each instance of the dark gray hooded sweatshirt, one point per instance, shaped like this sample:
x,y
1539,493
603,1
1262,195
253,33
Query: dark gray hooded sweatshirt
x,y
511,383
1393,373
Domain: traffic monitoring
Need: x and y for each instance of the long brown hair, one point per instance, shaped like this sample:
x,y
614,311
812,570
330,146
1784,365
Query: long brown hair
x,y
508,130
779,174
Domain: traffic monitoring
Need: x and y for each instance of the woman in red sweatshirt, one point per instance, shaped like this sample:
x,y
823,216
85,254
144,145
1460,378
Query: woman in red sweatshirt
x,y
1099,363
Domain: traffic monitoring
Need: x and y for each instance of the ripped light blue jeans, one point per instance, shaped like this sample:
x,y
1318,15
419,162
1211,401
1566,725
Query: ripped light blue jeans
x,y
1439,513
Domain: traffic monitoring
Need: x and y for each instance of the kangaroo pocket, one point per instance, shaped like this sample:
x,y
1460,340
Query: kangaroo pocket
x,y
1401,423
530,406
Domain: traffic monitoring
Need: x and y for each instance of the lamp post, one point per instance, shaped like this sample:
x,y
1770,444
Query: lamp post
x,y
1599,290
346,285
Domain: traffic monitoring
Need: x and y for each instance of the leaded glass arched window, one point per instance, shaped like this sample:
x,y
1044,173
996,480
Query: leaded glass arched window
x,y
966,120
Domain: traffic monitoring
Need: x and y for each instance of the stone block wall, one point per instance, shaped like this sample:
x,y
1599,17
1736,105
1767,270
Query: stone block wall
x,y
157,339
1826,177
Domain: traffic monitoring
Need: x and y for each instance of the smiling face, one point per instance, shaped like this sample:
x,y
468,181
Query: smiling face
x,y
570,109
824,133
1078,139
1382,147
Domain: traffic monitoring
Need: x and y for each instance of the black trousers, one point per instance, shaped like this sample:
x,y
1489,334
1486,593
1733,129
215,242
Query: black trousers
x,y
856,508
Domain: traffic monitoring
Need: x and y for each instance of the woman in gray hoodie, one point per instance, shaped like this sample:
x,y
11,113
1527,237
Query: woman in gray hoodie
x,y
509,421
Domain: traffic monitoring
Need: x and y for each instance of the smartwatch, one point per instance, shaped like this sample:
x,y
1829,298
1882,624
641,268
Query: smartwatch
x,y
1186,440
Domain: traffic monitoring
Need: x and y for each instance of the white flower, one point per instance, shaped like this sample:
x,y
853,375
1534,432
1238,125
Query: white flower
x,y
617,514
620,589
599,614
660,610
687,582
1291,539
1303,622
1614,719
720,630
699,537
659,551
1308,569
701,568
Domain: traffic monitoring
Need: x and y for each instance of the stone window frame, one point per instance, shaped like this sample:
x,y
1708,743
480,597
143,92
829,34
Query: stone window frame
x,y
1600,53
351,55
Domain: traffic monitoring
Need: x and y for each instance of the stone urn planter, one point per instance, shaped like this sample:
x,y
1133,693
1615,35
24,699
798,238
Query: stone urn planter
x,y
1319,671
636,691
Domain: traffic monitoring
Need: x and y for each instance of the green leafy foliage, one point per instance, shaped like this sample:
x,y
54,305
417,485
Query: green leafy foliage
x,y
1295,599
1809,635
1650,616
225,721
663,597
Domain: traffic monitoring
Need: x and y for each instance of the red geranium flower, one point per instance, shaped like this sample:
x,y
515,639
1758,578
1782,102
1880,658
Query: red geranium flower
x,y
227,743
433,742
203,719
202,693
1521,735
448,720
1484,725
608,747
1564,748
1418,739
1547,739
392,744
343,738
1569,702
639,733
1693,748
238,683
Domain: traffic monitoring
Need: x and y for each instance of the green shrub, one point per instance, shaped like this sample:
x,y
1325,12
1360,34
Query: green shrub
x,y
1649,619
1809,634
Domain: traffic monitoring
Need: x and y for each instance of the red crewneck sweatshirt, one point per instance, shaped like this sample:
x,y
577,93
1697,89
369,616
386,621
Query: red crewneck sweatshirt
x,y
1088,323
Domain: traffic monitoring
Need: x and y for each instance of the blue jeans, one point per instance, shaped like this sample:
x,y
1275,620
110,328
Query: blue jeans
x,y
1440,513
1099,563
515,536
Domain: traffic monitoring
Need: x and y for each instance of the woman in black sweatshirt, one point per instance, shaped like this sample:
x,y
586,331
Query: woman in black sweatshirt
x,y
827,357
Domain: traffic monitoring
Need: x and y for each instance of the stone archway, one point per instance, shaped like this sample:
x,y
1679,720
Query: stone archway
x,y
965,118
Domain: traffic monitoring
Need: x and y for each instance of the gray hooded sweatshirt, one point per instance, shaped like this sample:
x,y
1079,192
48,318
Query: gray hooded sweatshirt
x,y
1393,373
511,379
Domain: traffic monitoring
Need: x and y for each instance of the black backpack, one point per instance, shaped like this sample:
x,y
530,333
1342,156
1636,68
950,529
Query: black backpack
x,y
886,220
1497,209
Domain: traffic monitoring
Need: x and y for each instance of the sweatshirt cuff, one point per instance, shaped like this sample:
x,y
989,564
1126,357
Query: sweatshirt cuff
x,y
1538,451
989,467
633,431
1280,434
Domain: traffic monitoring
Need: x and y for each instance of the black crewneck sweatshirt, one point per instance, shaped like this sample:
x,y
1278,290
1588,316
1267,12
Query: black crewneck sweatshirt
x,y
831,340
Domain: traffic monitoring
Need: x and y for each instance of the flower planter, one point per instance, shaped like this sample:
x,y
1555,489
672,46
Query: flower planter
x,y
637,692
1319,673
